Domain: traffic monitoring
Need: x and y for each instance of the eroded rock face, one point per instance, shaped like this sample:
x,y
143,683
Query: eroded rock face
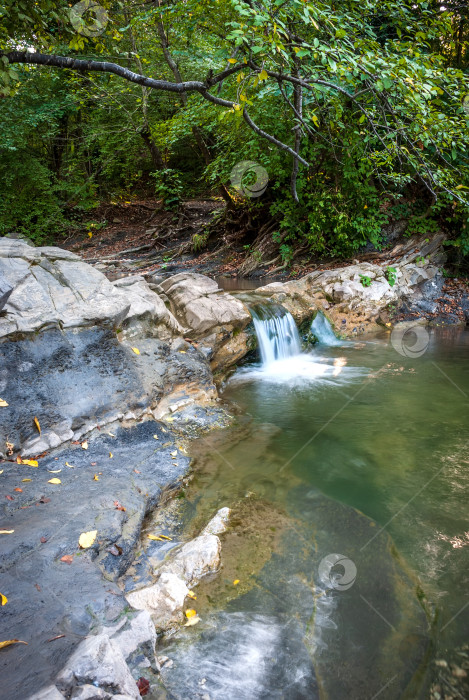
x,y
211,316
89,351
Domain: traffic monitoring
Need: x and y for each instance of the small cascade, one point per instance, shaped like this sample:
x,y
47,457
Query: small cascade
x,y
276,332
321,329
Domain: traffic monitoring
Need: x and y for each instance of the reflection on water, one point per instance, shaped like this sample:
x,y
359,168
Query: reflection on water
x,y
350,443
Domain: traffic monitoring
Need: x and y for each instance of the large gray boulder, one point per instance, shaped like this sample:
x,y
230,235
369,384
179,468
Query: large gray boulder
x,y
77,351
53,287
213,317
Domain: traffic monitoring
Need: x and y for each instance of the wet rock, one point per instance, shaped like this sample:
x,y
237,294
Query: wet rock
x,y
218,523
195,559
98,661
164,600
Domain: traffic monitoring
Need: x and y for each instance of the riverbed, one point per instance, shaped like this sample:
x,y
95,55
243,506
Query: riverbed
x,y
345,568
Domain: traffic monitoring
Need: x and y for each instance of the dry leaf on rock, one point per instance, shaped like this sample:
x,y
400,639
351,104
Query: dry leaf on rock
x,y
190,612
174,454
3,402
96,477
67,558
6,532
28,462
84,445
37,424
3,599
110,455
191,594
18,489
155,537
54,481
54,471
143,686
136,351
235,582
11,641
26,479
87,539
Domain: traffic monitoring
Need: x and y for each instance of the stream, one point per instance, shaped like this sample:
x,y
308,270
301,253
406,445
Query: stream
x,y
345,565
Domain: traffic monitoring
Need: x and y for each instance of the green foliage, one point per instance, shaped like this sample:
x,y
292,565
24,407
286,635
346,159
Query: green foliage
x,y
391,275
365,281
199,241
384,123
168,187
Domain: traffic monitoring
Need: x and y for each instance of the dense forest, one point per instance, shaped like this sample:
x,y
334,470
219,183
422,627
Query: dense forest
x,y
357,112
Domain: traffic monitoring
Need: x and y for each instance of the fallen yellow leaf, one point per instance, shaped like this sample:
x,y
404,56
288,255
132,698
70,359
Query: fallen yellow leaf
x,y
26,479
37,424
111,434
84,445
174,454
155,537
235,582
191,594
11,641
156,437
110,455
96,477
190,613
54,481
54,471
29,462
136,351
3,402
90,235
6,532
69,465
87,539
165,537
1,471
3,599
192,621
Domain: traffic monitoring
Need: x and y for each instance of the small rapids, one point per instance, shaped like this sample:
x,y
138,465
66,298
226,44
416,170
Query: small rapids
x,y
281,354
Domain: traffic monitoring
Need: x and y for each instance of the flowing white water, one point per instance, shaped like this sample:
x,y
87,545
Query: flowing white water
x,y
276,332
282,358
322,330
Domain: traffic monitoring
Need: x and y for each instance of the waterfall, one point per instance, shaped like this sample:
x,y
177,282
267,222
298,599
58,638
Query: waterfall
x,y
276,332
322,331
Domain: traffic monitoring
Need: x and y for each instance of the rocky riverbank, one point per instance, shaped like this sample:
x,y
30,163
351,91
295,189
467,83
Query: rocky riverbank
x,y
101,384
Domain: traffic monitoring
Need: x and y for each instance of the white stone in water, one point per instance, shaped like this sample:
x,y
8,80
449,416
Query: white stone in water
x,y
164,600
195,559
218,523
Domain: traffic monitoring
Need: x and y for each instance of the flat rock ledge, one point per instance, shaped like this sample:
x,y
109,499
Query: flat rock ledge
x,y
105,665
